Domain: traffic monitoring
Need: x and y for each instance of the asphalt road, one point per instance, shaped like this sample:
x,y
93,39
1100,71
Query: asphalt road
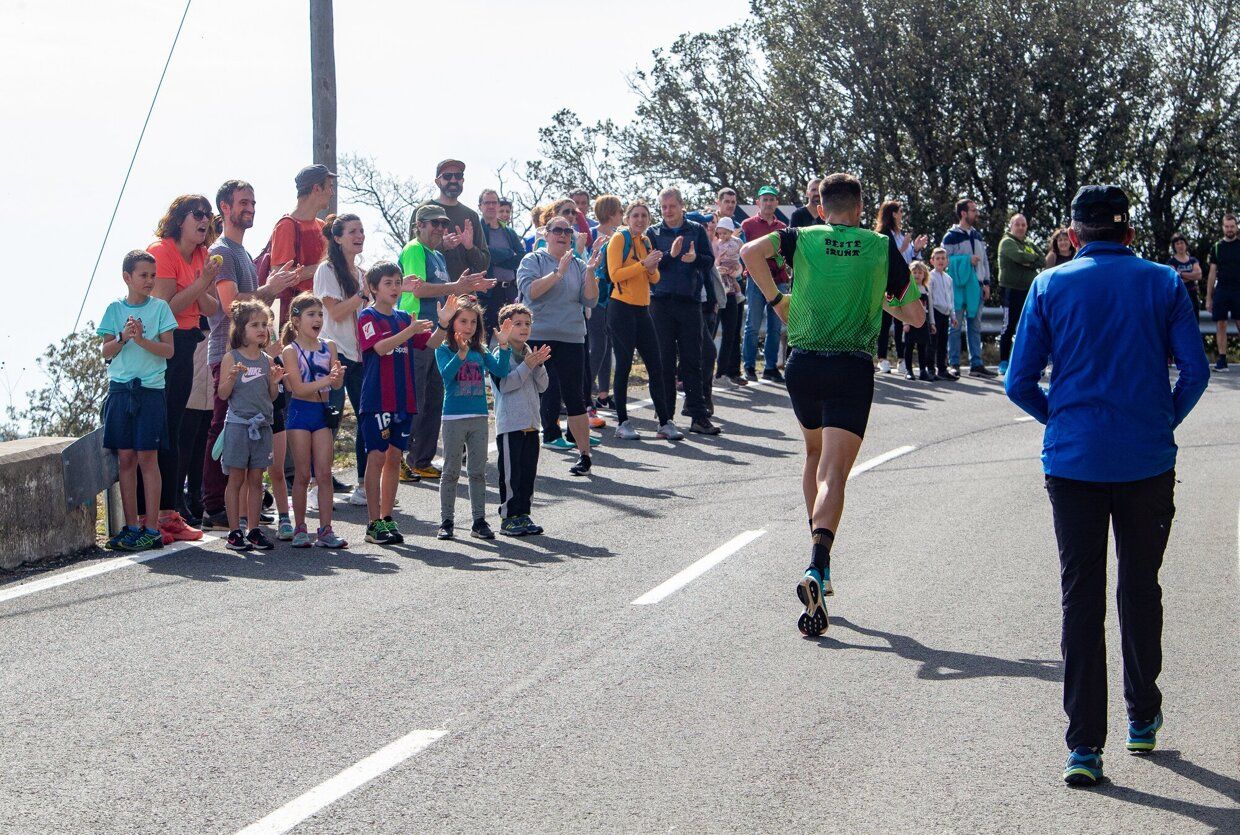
x,y
515,686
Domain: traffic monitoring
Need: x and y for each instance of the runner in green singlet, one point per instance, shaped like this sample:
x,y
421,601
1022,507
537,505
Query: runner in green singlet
x,y
846,277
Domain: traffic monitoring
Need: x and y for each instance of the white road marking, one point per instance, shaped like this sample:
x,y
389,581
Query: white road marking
x,y
699,568
880,459
327,793
1023,419
98,568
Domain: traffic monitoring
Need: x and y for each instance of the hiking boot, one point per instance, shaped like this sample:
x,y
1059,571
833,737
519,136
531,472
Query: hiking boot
x,y
703,426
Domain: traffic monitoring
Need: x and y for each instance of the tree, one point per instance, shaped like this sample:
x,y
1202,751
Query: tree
x,y
77,385
395,198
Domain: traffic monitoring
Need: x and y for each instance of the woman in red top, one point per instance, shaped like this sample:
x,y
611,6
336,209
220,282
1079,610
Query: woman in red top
x,y
183,276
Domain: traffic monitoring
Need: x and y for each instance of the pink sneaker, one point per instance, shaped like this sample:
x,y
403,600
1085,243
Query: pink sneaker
x,y
174,526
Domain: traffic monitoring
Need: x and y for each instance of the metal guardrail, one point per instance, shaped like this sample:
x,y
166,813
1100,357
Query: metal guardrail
x,y
992,321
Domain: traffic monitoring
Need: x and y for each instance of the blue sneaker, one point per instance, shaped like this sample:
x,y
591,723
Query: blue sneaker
x,y
1143,736
1084,767
1003,367
559,443
813,621
114,544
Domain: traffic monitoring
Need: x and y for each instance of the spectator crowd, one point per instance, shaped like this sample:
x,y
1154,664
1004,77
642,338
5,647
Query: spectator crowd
x,y
229,374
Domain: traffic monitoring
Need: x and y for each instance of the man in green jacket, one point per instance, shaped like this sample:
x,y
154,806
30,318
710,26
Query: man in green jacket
x,y
1019,260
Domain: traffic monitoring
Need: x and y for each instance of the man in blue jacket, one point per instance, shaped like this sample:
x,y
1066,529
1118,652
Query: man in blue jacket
x,y
676,306
1109,454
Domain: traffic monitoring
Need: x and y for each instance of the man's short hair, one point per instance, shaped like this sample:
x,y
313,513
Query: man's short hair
x,y
1229,216
724,192
226,191
671,191
580,191
136,257
485,192
840,192
962,206
1090,232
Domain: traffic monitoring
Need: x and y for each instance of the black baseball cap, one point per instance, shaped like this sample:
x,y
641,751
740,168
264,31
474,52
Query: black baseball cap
x,y
312,175
1100,205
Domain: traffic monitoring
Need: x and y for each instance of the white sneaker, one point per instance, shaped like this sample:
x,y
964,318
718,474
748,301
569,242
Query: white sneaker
x,y
669,432
312,500
626,432
884,366
358,496
901,369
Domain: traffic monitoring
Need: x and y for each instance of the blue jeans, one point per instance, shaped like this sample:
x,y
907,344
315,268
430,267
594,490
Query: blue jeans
x,y
975,340
755,306
353,387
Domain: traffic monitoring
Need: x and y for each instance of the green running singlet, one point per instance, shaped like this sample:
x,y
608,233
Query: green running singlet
x,y
841,275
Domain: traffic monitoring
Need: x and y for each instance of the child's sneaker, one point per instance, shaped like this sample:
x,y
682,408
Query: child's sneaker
x,y
114,544
174,526
395,537
236,541
285,531
377,533
258,539
481,530
358,497
1143,736
1084,767
512,526
530,527
445,529
146,539
327,539
301,537
407,475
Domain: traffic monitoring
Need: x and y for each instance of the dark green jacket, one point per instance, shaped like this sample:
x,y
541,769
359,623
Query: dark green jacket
x,y
1019,262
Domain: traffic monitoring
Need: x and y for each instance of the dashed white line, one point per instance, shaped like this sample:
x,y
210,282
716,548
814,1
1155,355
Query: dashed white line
x,y
98,568
699,568
328,792
880,459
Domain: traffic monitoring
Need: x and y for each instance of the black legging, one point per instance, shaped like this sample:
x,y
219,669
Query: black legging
x,y
178,383
888,319
729,361
1015,302
193,445
631,328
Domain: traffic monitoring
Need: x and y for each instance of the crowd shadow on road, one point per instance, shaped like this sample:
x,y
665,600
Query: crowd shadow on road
x,y
943,664
1224,818
282,564
495,555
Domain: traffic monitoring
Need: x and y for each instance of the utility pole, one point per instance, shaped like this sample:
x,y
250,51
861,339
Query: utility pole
x,y
323,85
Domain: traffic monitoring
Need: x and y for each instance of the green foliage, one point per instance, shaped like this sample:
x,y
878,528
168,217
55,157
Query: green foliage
x,y
77,383
1015,105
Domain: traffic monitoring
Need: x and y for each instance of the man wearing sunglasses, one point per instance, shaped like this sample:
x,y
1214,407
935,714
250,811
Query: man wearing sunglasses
x,y
464,245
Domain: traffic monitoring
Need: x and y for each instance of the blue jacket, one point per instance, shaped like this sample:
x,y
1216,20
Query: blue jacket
x,y
676,278
1110,320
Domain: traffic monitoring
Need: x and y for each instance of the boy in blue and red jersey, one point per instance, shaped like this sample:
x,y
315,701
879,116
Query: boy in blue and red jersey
x,y
388,403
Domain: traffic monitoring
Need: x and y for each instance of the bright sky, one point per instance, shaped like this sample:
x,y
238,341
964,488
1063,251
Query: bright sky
x,y
76,79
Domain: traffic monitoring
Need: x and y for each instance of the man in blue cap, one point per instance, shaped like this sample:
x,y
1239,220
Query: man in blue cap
x,y
1109,454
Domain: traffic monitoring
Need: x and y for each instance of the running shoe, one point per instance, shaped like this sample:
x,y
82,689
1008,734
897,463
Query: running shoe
x,y
773,375
481,530
884,366
445,530
1143,736
258,539
285,531
395,537
530,527
926,376
559,443
301,538
595,440
604,403
1003,367
143,539
407,475
174,526
236,541
1220,364
339,486
626,432
813,621
596,422
377,533
901,368
429,471
267,517
358,497
669,432
215,521
114,544
981,371
1084,767
703,426
582,466
910,376
739,381
327,539
751,375
512,526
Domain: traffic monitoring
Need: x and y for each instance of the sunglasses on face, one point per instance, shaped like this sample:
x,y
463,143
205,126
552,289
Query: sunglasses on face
x,y
559,230
199,214
440,224
451,175
568,212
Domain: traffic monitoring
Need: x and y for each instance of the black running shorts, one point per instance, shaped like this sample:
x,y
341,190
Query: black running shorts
x,y
830,389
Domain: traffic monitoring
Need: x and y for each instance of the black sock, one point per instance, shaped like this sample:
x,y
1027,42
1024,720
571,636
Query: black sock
x,y
820,552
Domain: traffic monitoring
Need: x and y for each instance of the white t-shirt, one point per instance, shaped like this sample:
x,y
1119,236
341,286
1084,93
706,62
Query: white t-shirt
x,y
342,332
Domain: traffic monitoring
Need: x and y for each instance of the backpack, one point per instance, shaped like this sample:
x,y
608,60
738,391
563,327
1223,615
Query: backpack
x,y
604,273
263,263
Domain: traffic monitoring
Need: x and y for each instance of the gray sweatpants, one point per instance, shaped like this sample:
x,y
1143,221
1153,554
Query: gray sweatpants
x,y
459,436
424,430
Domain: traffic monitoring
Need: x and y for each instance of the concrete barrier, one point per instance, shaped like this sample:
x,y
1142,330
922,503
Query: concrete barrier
x,y
36,523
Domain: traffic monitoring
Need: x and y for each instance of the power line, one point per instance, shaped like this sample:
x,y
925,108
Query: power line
x,y
132,159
